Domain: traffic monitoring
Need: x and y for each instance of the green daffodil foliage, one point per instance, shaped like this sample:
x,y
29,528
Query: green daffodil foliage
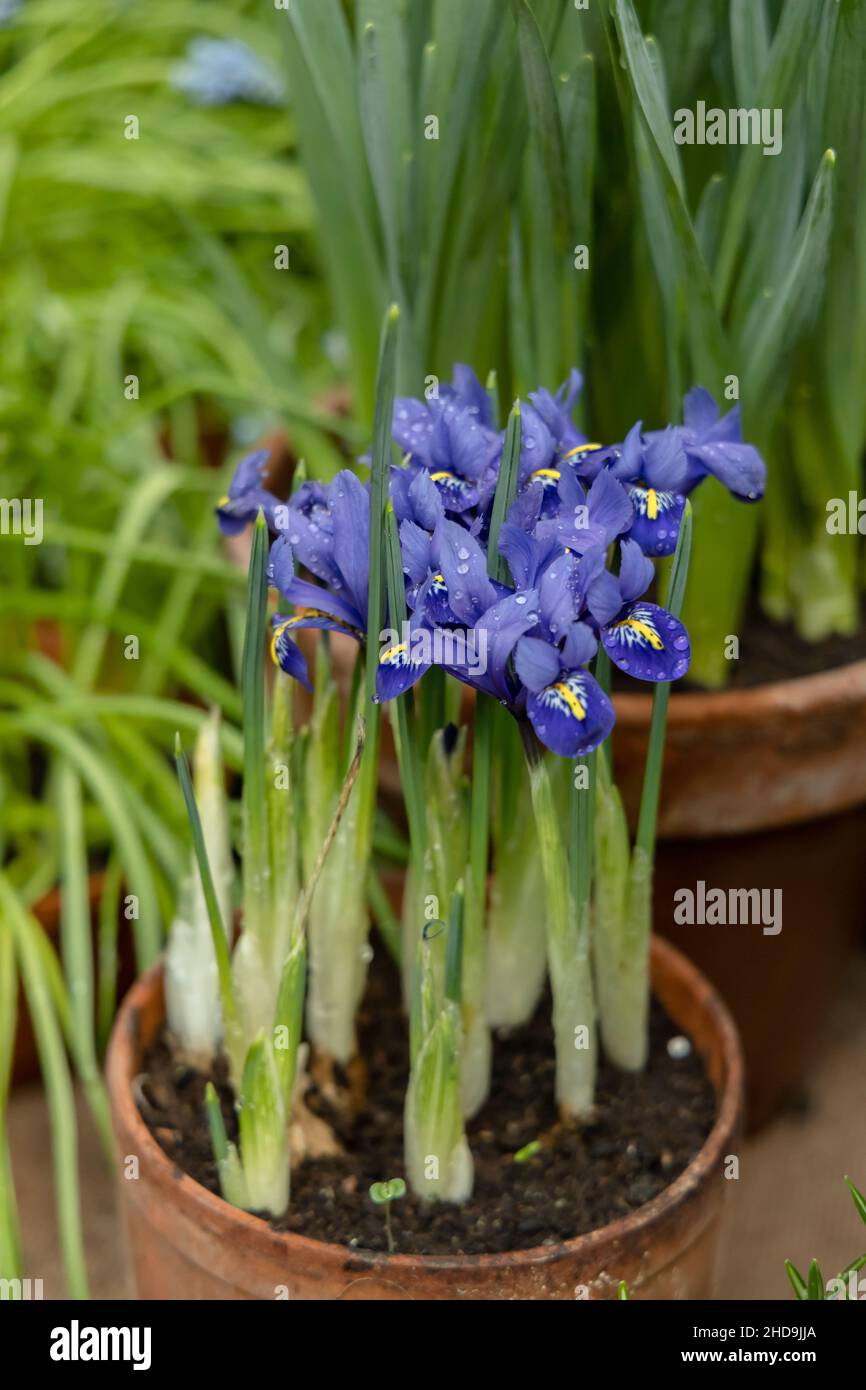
x,y
849,1284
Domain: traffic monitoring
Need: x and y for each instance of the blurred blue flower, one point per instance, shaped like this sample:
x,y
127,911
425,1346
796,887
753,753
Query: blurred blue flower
x,y
217,72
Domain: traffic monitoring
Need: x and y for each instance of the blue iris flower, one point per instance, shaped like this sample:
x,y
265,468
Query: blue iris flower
x,y
247,496
552,446
328,530
660,468
453,440
527,643
713,445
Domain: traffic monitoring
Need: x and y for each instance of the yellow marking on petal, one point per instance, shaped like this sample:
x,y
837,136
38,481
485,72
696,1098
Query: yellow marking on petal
x,y
278,631
581,449
441,476
438,579
545,473
391,653
652,503
570,699
645,631
300,617
224,501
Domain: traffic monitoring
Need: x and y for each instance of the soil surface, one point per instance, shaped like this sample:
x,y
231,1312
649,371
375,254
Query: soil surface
x,y
645,1132
771,651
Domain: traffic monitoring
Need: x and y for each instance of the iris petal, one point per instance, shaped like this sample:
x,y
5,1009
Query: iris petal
x,y
657,518
738,466
400,666
287,654
571,716
463,566
537,663
648,642
304,594
234,513
350,509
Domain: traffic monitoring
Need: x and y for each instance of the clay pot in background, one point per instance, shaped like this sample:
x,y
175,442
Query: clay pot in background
x,y
187,1243
763,788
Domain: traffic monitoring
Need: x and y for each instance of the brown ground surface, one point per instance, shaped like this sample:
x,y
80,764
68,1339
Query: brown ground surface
x,y
790,1199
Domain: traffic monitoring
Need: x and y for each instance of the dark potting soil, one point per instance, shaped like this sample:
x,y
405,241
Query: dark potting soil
x,y
645,1132
771,651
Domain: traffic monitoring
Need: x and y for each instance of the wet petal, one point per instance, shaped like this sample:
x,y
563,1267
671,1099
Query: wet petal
x,y
350,510
537,663
287,654
317,600
635,571
657,519
416,549
412,427
572,716
281,565
404,662
470,394
537,446
425,500
234,514
700,411
603,597
460,445
250,473
665,465
738,466
580,646
648,642
497,633
463,565
609,507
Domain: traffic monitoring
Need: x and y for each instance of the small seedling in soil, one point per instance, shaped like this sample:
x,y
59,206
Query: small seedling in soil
x,y
528,1151
383,1194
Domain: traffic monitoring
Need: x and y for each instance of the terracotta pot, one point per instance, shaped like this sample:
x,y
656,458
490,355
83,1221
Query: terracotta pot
x,y
763,788
188,1244
744,760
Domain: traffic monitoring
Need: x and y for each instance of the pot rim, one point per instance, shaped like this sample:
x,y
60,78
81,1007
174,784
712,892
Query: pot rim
x,y
220,1215
842,686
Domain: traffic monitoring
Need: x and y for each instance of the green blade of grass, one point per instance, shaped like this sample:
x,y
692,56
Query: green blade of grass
x,y
58,1088
11,1265
108,789
77,948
